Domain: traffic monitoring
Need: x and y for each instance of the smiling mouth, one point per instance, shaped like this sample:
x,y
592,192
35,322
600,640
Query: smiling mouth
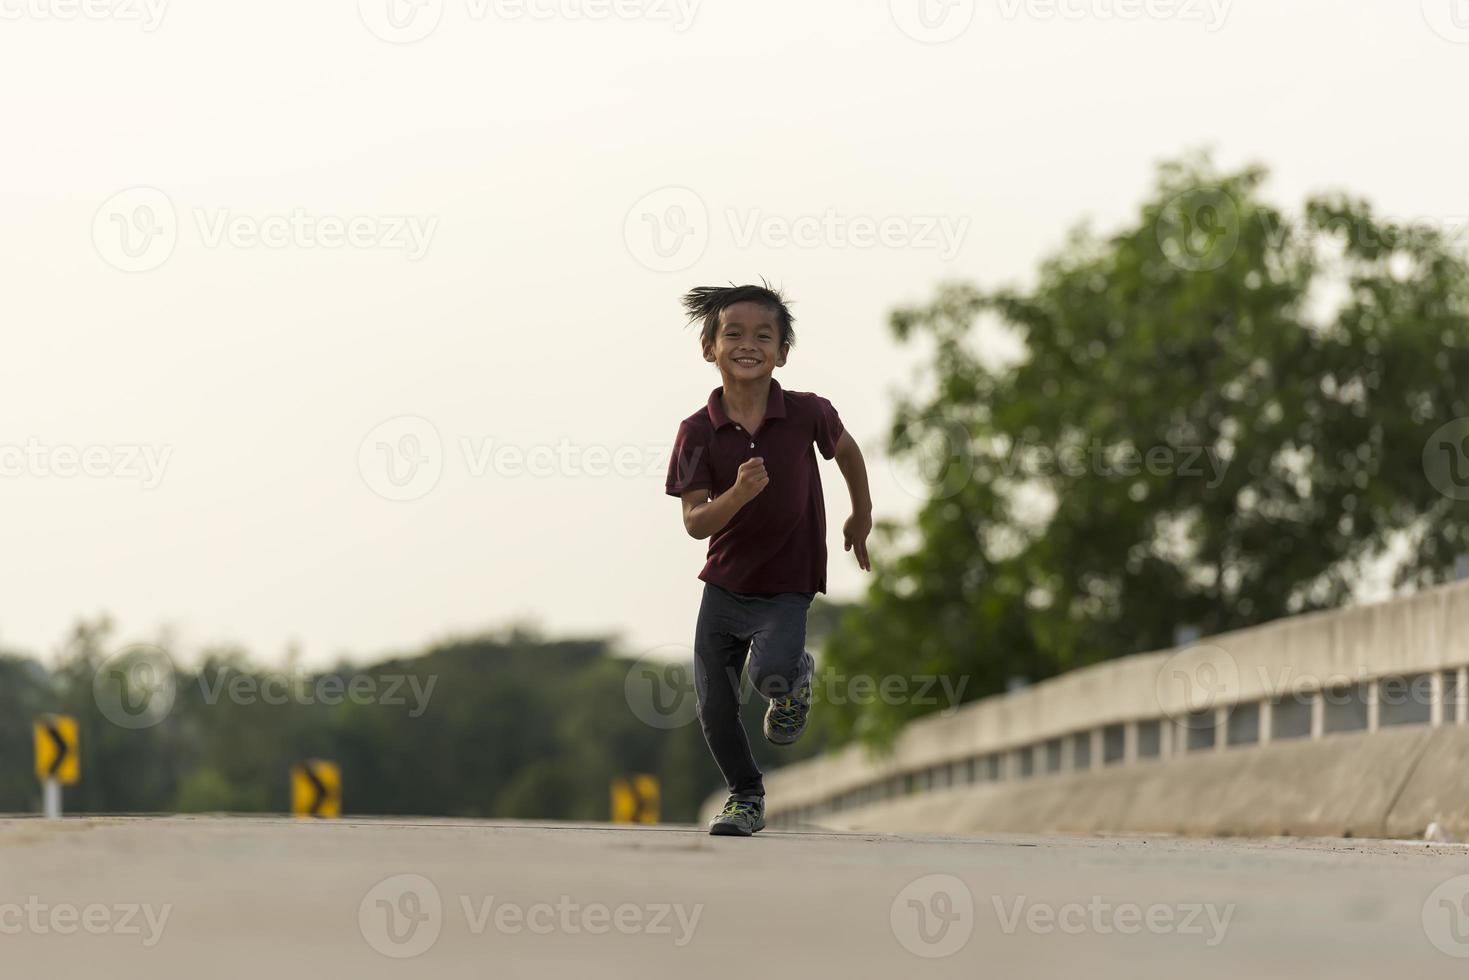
x,y
748,361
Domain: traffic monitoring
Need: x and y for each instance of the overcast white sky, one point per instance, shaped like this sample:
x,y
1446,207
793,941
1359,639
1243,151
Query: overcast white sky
x,y
501,282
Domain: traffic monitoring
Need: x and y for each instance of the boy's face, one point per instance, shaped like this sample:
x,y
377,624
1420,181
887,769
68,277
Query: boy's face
x,y
747,343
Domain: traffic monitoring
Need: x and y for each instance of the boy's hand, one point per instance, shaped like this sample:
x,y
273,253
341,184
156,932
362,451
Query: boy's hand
x,y
751,478
855,533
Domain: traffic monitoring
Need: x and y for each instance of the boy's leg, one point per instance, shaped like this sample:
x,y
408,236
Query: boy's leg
x,y
780,667
721,643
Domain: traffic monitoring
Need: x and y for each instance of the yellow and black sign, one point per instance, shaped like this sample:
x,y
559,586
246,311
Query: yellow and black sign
x,y
635,799
58,755
316,789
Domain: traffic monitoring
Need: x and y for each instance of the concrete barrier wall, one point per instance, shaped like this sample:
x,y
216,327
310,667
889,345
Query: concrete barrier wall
x,y
1345,721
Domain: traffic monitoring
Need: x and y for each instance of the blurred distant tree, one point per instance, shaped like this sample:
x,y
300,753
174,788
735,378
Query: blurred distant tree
x,y
1216,417
513,725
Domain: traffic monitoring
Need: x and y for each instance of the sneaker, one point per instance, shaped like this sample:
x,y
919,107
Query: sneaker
x,y
741,817
785,719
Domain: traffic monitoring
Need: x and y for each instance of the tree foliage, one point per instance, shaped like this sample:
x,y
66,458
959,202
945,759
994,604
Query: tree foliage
x,y
513,726
1217,416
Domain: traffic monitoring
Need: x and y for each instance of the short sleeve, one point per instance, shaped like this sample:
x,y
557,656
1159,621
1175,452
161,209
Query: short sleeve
x,y
828,428
688,466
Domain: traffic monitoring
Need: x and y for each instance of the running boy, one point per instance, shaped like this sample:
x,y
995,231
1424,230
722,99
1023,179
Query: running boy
x,y
746,472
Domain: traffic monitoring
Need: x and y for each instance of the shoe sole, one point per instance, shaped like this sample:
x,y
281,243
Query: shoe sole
x,y
730,830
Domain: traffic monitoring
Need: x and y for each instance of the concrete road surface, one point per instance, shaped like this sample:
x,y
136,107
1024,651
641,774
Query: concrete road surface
x,y
271,899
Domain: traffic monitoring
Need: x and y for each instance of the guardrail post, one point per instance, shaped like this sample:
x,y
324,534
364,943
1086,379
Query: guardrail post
x,y
1318,713
1374,693
1435,698
1221,727
1267,721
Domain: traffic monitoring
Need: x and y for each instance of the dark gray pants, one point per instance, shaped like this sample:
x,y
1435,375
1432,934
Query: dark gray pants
x,y
771,631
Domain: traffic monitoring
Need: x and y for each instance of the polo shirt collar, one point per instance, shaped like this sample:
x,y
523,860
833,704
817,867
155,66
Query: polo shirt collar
x,y
775,405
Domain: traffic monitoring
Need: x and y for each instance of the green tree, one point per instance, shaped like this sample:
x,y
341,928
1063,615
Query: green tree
x,y
1216,416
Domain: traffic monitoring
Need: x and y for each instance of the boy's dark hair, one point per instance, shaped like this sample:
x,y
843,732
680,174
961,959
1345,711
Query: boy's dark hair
x,y
707,302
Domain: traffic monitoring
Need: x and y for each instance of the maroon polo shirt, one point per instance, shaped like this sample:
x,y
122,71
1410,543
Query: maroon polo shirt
x,y
776,542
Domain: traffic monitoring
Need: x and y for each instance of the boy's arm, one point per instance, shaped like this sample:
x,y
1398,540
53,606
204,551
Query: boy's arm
x,y
859,525
704,517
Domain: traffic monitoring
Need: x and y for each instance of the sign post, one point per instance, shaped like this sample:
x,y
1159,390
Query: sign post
x,y
58,759
316,789
635,799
